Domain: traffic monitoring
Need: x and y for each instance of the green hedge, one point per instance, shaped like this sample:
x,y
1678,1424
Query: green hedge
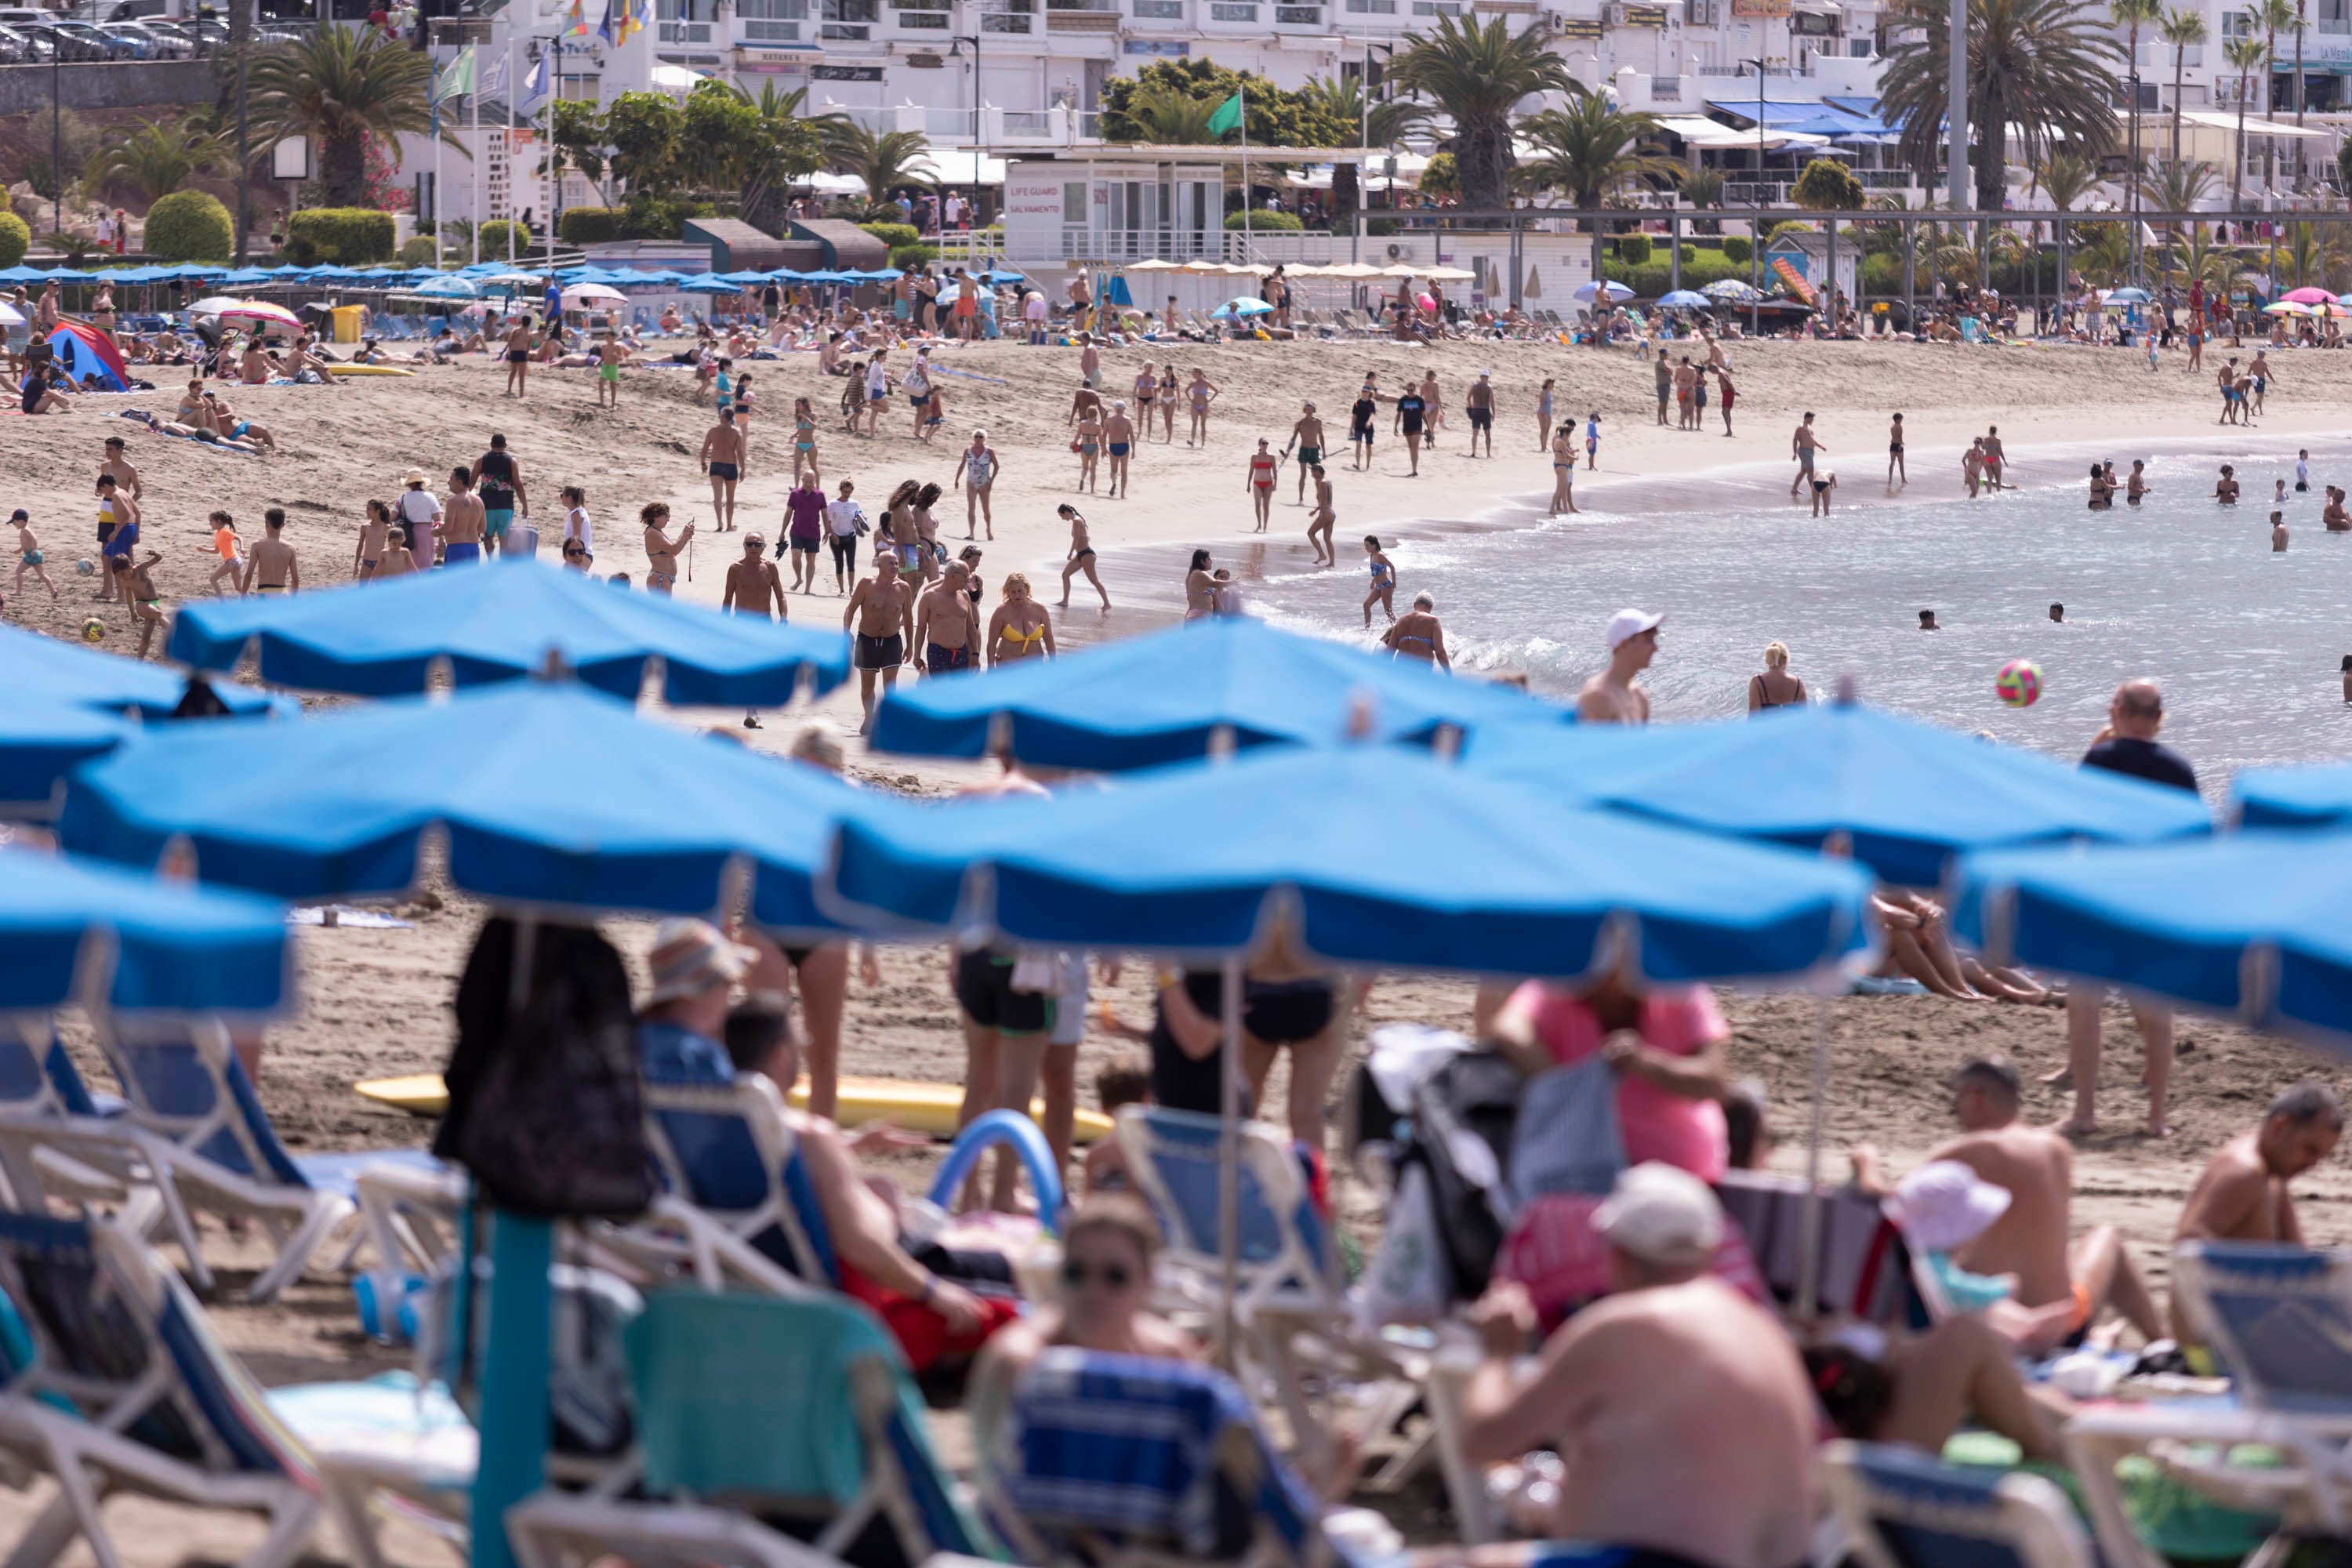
x,y
189,225
589,225
417,252
905,255
1737,247
15,238
1634,249
494,239
1654,277
1268,222
340,236
893,234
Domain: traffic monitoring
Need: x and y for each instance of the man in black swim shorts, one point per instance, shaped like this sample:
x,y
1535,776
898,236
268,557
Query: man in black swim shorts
x,y
881,615
1005,1026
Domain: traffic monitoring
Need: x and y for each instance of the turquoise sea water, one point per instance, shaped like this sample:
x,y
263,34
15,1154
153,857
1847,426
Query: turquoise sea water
x,y
2246,643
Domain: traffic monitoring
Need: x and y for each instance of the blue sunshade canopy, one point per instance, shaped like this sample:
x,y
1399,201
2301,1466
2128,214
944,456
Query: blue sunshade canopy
x,y
334,807
1908,796
500,622
1477,875
2258,924
49,670
41,742
1143,702
75,931
2316,797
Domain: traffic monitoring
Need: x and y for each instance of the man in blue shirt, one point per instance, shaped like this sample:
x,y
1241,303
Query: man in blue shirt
x,y
554,302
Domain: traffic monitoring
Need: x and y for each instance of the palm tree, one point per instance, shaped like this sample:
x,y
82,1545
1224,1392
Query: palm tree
x,y
156,157
2176,187
1382,123
2244,55
2183,27
2270,16
1165,116
1479,75
2066,180
2107,251
789,143
2132,16
1590,151
2039,67
883,162
343,88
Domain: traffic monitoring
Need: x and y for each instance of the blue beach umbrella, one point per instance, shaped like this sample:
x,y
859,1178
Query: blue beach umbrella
x,y
1907,796
750,278
1384,858
334,807
2126,296
40,743
1731,289
49,670
1615,289
248,276
707,284
1685,300
502,622
449,286
1161,698
23,274
75,931
1244,305
2255,924
2314,796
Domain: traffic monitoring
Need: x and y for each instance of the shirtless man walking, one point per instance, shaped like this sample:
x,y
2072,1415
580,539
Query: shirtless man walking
x,y
754,588
1479,403
518,357
2034,1239
1672,1363
881,612
462,520
126,477
1802,445
947,626
2243,1194
661,550
1119,442
1614,696
722,459
1318,525
1307,441
1895,468
272,568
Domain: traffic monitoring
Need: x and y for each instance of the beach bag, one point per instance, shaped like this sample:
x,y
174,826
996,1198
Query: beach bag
x,y
1464,1117
545,1105
590,1413
1567,1140
1412,1277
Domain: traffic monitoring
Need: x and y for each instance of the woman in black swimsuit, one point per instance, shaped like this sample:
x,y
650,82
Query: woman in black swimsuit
x,y
1776,687
1284,1006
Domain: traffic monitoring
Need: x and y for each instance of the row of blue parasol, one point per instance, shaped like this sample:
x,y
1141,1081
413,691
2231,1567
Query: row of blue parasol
x,y
1545,849
482,277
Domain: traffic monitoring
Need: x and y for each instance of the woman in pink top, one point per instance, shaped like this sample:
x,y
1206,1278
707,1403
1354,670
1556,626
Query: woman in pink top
x,y
1666,1047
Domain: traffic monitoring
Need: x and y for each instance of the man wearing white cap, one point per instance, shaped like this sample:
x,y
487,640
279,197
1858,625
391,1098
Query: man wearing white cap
x,y
1614,696
1680,1408
695,969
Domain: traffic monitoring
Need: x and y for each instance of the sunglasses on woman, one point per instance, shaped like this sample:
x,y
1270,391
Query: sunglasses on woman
x,y
1113,1276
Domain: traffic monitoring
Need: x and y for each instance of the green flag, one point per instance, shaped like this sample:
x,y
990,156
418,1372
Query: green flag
x,y
458,79
1228,116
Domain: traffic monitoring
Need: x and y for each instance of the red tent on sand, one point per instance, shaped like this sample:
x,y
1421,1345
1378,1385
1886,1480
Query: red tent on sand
x,y
84,351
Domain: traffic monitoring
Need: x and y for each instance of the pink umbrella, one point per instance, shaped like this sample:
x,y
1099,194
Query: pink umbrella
x,y
2308,296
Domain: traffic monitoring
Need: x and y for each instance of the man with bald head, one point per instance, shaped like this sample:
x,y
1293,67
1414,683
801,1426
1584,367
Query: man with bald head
x,y
2127,745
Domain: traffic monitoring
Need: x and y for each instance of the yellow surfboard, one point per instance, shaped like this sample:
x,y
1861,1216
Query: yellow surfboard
x,y
369,370
926,1108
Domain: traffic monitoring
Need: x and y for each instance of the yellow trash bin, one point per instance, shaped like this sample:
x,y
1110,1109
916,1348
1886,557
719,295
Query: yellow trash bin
x,y
347,323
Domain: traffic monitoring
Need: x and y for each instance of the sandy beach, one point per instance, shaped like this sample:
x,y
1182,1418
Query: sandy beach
x,y
376,1002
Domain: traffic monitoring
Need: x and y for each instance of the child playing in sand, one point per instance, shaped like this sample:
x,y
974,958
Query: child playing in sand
x,y
230,549
145,599
28,553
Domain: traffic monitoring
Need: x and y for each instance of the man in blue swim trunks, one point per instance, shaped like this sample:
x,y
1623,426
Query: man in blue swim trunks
x,y
461,520
498,485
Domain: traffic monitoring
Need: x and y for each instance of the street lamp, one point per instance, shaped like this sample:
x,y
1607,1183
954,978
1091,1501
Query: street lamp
x,y
980,151
1756,225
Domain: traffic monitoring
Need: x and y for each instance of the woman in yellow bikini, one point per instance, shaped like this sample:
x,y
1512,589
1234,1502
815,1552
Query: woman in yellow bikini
x,y
1020,628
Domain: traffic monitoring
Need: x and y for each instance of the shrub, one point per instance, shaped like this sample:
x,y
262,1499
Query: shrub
x,y
15,238
651,216
904,256
494,239
417,252
1738,247
340,236
1654,277
192,226
1270,222
1828,186
589,225
1634,249
893,234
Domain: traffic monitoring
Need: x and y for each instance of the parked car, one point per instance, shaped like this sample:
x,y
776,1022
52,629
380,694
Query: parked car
x,y
145,46
82,42
20,17
39,47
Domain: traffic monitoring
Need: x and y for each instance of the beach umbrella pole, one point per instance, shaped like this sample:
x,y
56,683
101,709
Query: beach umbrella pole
x,y
1229,1161
1809,1223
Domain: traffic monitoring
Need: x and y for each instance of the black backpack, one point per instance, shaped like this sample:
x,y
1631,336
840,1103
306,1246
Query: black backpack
x,y
545,1108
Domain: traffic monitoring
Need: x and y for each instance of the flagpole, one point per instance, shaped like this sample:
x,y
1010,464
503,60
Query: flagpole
x,y
511,208
474,91
1249,246
437,175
